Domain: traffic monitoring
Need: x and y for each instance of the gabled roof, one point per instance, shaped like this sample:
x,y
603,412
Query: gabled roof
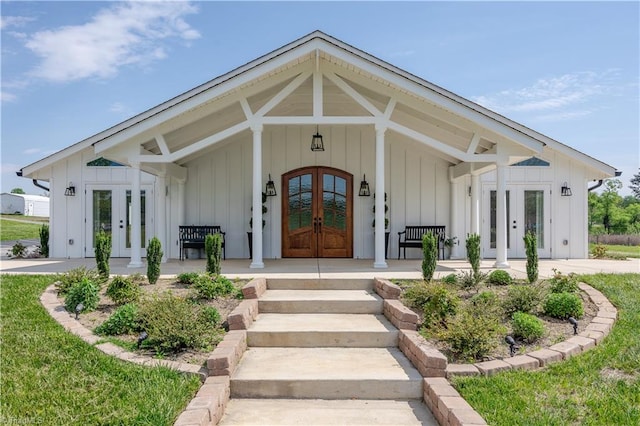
x,y
314,41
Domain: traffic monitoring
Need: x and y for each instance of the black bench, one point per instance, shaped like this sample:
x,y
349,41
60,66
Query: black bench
x,y
413,238
193,236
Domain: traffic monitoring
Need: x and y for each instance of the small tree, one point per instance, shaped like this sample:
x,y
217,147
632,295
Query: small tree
x,y
103,252
635,185
429,255
44,240
213,249
531,248
17,191
473,253
154,257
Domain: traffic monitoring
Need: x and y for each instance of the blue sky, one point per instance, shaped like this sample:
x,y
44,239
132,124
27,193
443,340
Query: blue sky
x,y
569,70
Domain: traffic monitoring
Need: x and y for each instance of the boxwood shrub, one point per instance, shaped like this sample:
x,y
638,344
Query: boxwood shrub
x,y
563,305
499,277
527,327
123,290
124,320
85,292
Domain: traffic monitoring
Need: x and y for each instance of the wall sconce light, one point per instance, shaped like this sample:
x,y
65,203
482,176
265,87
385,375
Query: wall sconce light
x,y
70,191
316,142
270,189
364,187
565,191
469,191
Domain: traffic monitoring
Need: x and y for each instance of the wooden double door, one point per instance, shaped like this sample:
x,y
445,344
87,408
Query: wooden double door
x,y
317,213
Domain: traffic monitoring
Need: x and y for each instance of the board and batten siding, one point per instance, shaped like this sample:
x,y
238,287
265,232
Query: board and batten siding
x,y
218,187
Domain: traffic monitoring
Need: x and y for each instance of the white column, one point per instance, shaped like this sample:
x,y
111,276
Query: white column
x,y
379,261
501,217
257,262
161,214
475,204
182,202
453,217
136,232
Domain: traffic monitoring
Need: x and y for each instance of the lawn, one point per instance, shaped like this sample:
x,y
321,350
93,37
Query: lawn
x,y
619,250
11,230
600,387
52,377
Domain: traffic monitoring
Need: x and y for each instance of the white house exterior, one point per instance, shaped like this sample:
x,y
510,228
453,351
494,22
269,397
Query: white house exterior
x,y
204,157
25,204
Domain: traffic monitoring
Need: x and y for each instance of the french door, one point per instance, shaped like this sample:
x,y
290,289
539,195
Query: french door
x,y
317,213
528,209
108,209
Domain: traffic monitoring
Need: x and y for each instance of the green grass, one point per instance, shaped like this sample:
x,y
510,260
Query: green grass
x,y
599,387
52,377
11,230
618,250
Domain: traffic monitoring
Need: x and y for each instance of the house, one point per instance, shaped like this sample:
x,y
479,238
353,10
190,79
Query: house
x,y
206,156
25,204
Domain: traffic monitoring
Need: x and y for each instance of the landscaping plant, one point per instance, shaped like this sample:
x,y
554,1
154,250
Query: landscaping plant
x,y
563,305
531,248
429,255
473,253
213,250
212,286
44,240
124,320
599,251
499,277
440,305
561,283
103,253
187,277
527,327
154,257
123,290
65,280
523,298
85,292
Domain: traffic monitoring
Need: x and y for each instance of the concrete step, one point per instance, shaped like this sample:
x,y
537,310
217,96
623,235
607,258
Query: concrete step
x,y
318,412
319,284
317,330
326,373
320,301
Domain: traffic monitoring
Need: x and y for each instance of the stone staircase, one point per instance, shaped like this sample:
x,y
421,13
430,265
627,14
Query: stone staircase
x,y
322,352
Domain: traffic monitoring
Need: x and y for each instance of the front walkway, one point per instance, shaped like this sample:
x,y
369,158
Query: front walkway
x,y
322,268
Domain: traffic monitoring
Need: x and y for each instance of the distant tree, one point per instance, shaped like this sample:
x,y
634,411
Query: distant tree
x,y
635,185
610,203
17,191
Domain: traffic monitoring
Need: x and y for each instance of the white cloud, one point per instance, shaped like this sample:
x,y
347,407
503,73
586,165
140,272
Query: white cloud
x,y
31,151
7,97
124,34
559,98
14,21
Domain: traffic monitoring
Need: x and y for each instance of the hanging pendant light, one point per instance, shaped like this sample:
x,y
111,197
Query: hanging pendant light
x,y
316,142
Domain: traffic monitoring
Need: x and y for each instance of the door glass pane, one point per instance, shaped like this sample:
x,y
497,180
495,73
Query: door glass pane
x,y
334,202
142,219
493,220
102,212
305,183
294,185
534,214
341,186
300,197
327,183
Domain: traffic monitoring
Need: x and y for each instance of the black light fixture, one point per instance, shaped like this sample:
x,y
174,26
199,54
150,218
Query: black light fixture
x,y
141,338
512,345
270,190
70,191
79,308
364,187
574,323
565,191
316,142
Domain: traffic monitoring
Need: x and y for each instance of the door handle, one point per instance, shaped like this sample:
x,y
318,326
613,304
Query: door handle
x,y
319,225
315,225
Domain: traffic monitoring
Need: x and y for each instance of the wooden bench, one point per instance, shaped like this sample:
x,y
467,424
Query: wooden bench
x,y
413,238
193,236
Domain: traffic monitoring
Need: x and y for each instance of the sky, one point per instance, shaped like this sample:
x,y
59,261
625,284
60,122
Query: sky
x,y
569,70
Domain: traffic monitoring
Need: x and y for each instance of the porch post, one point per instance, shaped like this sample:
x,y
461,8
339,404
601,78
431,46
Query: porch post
x,y
256,216
453,217
501,217
380,261
161,221
475,204
136,260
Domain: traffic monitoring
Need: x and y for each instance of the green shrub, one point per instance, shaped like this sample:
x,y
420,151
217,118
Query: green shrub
x,y
531,248
173,323
523,298
563,305
187,277
154,257
429,255
440,305
66,280
486,301
527,327
499,277
417,295
18,250
211,315
124,320
473,252
85,292
103,252
450,279
563,283
123,290
599,251
137,277
211,287
472,334
213,250
44,240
